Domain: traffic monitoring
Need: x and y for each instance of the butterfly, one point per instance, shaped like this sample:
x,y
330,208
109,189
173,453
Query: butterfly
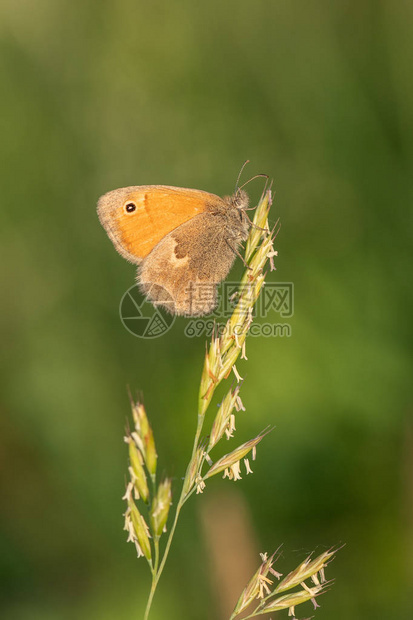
x,y
184,241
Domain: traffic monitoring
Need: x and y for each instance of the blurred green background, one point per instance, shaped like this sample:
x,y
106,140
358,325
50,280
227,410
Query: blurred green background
x,y
101,94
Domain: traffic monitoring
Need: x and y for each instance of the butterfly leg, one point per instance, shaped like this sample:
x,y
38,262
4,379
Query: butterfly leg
x,y
235,250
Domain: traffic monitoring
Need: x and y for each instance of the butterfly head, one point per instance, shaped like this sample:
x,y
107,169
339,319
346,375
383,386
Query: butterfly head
x,y
237,220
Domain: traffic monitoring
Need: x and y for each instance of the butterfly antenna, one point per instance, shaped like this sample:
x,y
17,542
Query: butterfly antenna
x,y
257,176
247,161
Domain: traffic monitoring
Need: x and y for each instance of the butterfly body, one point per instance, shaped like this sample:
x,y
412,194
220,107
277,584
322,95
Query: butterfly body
x,y
183,240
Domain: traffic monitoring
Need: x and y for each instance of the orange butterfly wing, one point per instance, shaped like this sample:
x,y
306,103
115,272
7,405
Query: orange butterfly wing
x,y
159,210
